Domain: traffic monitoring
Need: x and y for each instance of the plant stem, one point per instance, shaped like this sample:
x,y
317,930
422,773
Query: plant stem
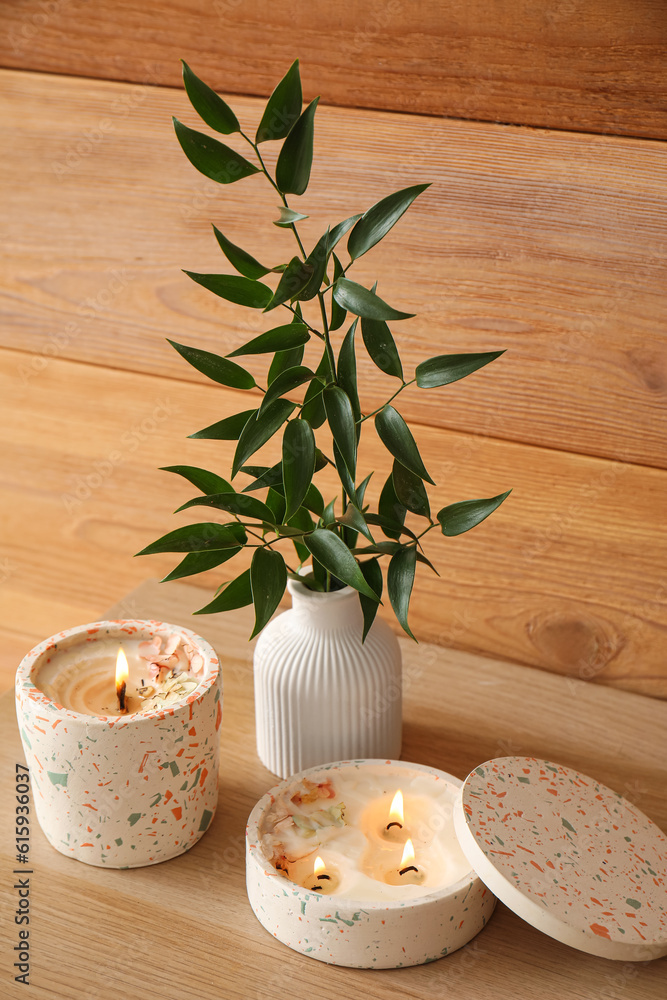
x,y
302,320
404,386
327,339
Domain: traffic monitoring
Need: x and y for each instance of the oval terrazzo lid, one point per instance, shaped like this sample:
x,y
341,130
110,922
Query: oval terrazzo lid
x,y
568,855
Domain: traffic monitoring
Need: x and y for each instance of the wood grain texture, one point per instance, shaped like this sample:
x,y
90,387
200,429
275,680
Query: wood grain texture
x,y
549,244
568,575
596,66
459,710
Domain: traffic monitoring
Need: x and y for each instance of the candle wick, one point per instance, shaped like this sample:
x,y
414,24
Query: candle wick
x,y
121,696
325,876
394,822
410,868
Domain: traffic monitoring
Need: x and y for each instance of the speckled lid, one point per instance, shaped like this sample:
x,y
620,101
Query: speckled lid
x,y
567,854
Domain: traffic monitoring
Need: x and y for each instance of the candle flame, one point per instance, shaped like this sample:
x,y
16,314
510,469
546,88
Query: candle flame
x,y
122,670
319,865
408,854
396,808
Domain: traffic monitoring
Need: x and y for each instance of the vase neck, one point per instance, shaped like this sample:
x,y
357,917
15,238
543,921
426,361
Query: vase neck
x,y
334,610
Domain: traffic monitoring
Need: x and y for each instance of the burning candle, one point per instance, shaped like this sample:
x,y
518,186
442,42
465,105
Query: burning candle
x,y
119,723
322,879
407,872
393,831
122,673
358,864
367,831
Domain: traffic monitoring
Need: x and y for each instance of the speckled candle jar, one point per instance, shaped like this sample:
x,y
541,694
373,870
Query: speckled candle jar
x,y
377,934
126,791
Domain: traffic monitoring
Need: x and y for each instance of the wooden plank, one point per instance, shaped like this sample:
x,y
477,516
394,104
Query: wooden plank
x,y
568,575
550,245
459,710
593,67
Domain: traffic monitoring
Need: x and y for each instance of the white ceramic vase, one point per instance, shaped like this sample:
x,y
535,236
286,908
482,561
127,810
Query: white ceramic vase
x,y
320,694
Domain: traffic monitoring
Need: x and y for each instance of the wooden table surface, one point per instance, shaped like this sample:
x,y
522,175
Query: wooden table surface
x,y
184,929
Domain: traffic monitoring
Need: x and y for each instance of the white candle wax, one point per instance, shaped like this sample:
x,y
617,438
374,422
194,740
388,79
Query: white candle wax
x,y
343,820
81,678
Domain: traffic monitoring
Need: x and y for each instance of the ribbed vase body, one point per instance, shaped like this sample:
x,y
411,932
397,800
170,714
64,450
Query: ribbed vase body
x,y
320,694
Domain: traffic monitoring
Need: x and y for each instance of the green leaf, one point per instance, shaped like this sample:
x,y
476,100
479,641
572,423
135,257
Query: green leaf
x,y
381,347
332,552
235,288
361,490
198,538
259,430
427,562
282,361
216,368
294,278
362,302
353,518
347,373
302,520
286,382
313,404
378,220
410,490
328,514
339,230
210,108
268,578
281,338
340,417
283,107
212,158
321,460
384,548
235,503
237,594
200,562
288,217
276,501
302,552
298,463
317,260
373,577
319,577
388,526
244,262
462,516
313,500
343,473
400,580
398,440
268,477
391,509
228,429
338,314
296,155
448,368
205,481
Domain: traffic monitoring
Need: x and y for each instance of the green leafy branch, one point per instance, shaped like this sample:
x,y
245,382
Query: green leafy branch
x,y
344,546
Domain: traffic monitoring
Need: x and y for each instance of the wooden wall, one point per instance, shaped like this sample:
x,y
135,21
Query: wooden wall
x,y
549,241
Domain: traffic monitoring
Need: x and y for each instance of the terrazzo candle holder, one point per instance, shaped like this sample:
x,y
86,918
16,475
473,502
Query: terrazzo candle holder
x,y
129,790
380,933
